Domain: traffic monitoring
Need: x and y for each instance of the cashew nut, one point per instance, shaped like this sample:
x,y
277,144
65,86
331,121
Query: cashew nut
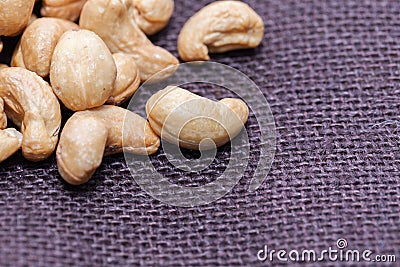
x,y
112,21
89,134
219,27
14,16
31,104
3,116
38,42
82,71
152,15
183,118
10,139
1,45
127,81
10,142
63,9
17,60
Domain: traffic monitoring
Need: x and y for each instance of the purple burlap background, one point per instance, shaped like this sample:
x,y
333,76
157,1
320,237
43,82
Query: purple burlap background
x,y
330,72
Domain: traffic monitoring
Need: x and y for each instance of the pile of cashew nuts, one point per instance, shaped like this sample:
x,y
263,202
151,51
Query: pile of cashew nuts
x,y
96,65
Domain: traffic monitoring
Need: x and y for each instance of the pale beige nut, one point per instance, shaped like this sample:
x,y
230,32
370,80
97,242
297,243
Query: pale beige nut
x,y
31,104
3,66
63,9
39,41
152,15
10,142
91,134
183,118
17,59
14,16
3,116
219,27
32,19
82,71
127,81
112,21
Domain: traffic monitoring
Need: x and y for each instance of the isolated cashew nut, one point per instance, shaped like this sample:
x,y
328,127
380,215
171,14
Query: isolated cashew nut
x,y
31,104
14,16
127,81
219,27
39,41
63,9
82,71
183,118
112,21
90,134
152,15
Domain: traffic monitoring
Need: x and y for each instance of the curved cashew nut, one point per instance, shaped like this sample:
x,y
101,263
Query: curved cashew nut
x,y
10,142
1,45
89,134
10,139
14,16
39,41
183,118
31,105
152,15
219,27
17,59
3,116
111,21
127,81
63,9
82,71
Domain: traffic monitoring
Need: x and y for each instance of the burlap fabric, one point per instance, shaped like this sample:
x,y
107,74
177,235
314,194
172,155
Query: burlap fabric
x,y
330,72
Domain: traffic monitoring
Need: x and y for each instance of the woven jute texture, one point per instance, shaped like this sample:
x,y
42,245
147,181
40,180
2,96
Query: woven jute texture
x,y
330,72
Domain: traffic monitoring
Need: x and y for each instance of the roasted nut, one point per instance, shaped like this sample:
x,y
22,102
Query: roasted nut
x,y
152,15
111,20
1,45
183,118
3,116
63,9
32,19
89,134
10,142
39,41
31,105
219,27
127,81
82,71
17,59
10,139
14,16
